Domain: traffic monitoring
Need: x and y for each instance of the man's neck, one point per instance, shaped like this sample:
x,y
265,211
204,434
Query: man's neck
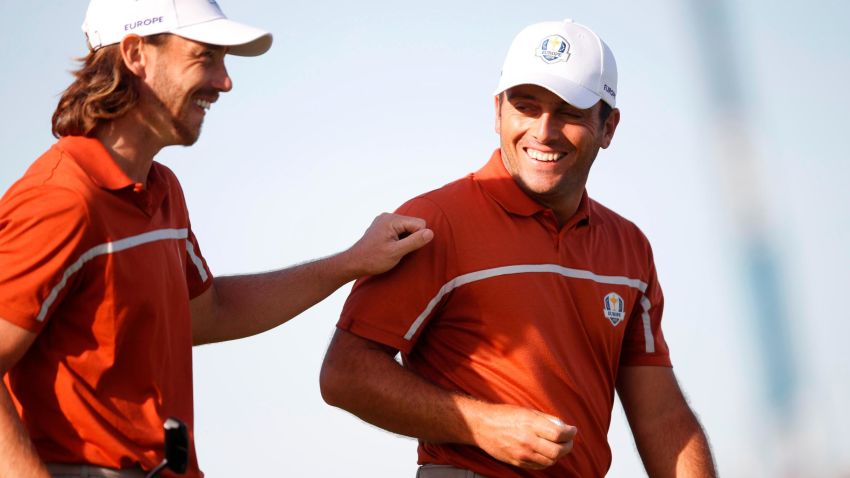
x,y
130,146
565,204
564,208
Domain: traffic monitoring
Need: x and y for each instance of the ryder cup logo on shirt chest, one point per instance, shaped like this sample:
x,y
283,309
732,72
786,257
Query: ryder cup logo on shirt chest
x,y
614,308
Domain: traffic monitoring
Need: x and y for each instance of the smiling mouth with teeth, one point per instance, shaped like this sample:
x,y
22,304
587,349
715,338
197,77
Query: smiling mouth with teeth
x,y
541,156
205,105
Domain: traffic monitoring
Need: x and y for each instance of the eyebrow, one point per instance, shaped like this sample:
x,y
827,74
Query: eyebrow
x,y
201,46
526,96
564,106
571,108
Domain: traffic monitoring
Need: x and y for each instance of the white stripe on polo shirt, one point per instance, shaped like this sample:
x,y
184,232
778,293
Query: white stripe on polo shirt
x,y
118,246
540,268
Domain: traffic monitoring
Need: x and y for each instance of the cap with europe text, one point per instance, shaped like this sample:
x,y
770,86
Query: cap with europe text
x,y
108,21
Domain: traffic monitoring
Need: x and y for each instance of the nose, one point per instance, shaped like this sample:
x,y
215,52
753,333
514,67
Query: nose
x,y
545,128
221,80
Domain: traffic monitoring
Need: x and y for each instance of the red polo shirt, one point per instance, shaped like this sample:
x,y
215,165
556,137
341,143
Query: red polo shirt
x,y
102,270
508,307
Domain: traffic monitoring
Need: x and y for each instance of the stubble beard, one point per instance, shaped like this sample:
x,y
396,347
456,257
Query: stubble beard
x,y
186,135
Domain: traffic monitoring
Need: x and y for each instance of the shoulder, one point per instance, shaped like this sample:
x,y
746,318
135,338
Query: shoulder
x,y
54,196
54,166
55,172
52,186
620,238
447,200
168,182
53,211
165,172
611,221
166,175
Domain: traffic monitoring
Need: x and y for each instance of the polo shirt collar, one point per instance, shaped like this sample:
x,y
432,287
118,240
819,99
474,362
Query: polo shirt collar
x,y
498,183
97,163
95,160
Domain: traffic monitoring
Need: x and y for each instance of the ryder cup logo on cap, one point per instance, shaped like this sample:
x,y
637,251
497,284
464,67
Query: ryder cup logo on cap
x,y
553,48
109,21
564,57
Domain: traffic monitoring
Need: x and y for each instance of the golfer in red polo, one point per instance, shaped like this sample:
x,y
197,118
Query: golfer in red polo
x,y
532,304
103,287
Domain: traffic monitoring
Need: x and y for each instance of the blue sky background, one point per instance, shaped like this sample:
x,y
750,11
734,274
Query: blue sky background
x,y
359,106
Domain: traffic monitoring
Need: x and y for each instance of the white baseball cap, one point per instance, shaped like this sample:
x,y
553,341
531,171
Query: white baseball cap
x,y
109,21
564,57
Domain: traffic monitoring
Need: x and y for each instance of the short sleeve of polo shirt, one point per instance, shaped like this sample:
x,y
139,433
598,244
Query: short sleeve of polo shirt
x,y
644,342
198,275
394,307
42,234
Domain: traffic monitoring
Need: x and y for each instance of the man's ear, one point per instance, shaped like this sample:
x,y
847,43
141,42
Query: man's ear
x,y
134,55
609,127
498,103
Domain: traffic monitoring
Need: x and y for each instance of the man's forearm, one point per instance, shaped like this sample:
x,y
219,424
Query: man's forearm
x,y
695,459
678,448
18,458
369,383
363,378
668,435
245,305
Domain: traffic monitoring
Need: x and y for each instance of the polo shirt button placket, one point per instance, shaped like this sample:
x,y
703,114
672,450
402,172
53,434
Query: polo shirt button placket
x,y
550,222
142,198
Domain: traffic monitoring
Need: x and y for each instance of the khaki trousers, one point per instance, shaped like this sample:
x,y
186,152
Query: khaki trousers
x,y
445,471
59,470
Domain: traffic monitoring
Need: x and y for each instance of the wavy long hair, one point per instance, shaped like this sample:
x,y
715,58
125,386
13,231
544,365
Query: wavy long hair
x,y
104,89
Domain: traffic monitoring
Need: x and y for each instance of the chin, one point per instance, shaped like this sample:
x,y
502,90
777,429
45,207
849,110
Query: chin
x,y
187,136
542,188
189,141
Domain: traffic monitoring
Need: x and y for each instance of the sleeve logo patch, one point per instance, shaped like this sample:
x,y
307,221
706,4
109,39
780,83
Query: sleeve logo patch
x,y
614,308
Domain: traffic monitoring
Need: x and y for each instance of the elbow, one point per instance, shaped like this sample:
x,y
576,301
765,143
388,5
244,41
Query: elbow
x,y
336,378
348,374
330,381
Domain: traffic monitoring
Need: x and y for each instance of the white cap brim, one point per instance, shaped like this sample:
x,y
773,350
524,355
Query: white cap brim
x,y
573,93
242,40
